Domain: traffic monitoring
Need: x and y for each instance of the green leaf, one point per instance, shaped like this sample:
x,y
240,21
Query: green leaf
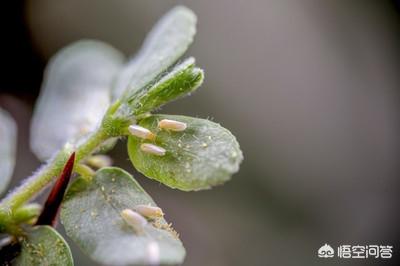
x,y
44,246
183,79
163,46
203,155
75,94
91,214
8,146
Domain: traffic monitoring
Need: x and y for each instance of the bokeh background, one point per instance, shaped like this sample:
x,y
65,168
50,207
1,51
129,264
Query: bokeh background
x,y
311,90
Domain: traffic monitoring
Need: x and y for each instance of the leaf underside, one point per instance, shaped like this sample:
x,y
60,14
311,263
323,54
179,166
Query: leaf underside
x,y
91,215
8,140
75,94
163,46
44,246
203,155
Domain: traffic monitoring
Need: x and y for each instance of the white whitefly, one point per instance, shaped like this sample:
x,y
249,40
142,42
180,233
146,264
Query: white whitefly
x,y
152,149
99,161
134,219
141,132
172,125
149,211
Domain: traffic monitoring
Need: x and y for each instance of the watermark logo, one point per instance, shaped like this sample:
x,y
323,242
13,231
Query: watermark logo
x,y
356,251
326,251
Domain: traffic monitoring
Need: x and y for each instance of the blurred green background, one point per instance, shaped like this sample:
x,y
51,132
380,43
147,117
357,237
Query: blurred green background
x,y
311,90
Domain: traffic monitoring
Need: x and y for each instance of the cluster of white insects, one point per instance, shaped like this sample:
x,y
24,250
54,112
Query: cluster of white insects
x,y
137,219
146,134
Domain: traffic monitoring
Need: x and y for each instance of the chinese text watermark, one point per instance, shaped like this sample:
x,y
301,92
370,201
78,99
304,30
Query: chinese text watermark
x,y
356,251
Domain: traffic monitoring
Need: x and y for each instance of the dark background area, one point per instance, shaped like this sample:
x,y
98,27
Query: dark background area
x,y
311,90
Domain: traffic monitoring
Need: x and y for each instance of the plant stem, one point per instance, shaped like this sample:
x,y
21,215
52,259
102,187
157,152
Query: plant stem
x,y
38,181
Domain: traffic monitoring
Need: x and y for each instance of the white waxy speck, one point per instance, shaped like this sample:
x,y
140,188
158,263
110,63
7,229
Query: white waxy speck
x,y
172,125
152,149
149,211
153,253
141,132
99,161
134,219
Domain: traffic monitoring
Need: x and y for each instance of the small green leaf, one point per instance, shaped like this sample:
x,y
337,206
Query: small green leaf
x,y
44,246
27,213
91,214
183,79
203,155
8,146
163,46
75,94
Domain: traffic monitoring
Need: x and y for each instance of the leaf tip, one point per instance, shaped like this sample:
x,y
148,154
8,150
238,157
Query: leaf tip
x,y
53,202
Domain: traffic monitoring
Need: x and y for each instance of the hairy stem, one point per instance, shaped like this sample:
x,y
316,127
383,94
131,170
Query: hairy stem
x,y
33,185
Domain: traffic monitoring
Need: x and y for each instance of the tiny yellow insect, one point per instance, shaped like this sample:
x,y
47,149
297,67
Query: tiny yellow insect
x,y
149,211
99,161
172,125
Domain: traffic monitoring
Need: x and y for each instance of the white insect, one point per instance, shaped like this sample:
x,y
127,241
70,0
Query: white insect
x,y
153,253
134,219
152,149
141,132
99,161
172,125
149,211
